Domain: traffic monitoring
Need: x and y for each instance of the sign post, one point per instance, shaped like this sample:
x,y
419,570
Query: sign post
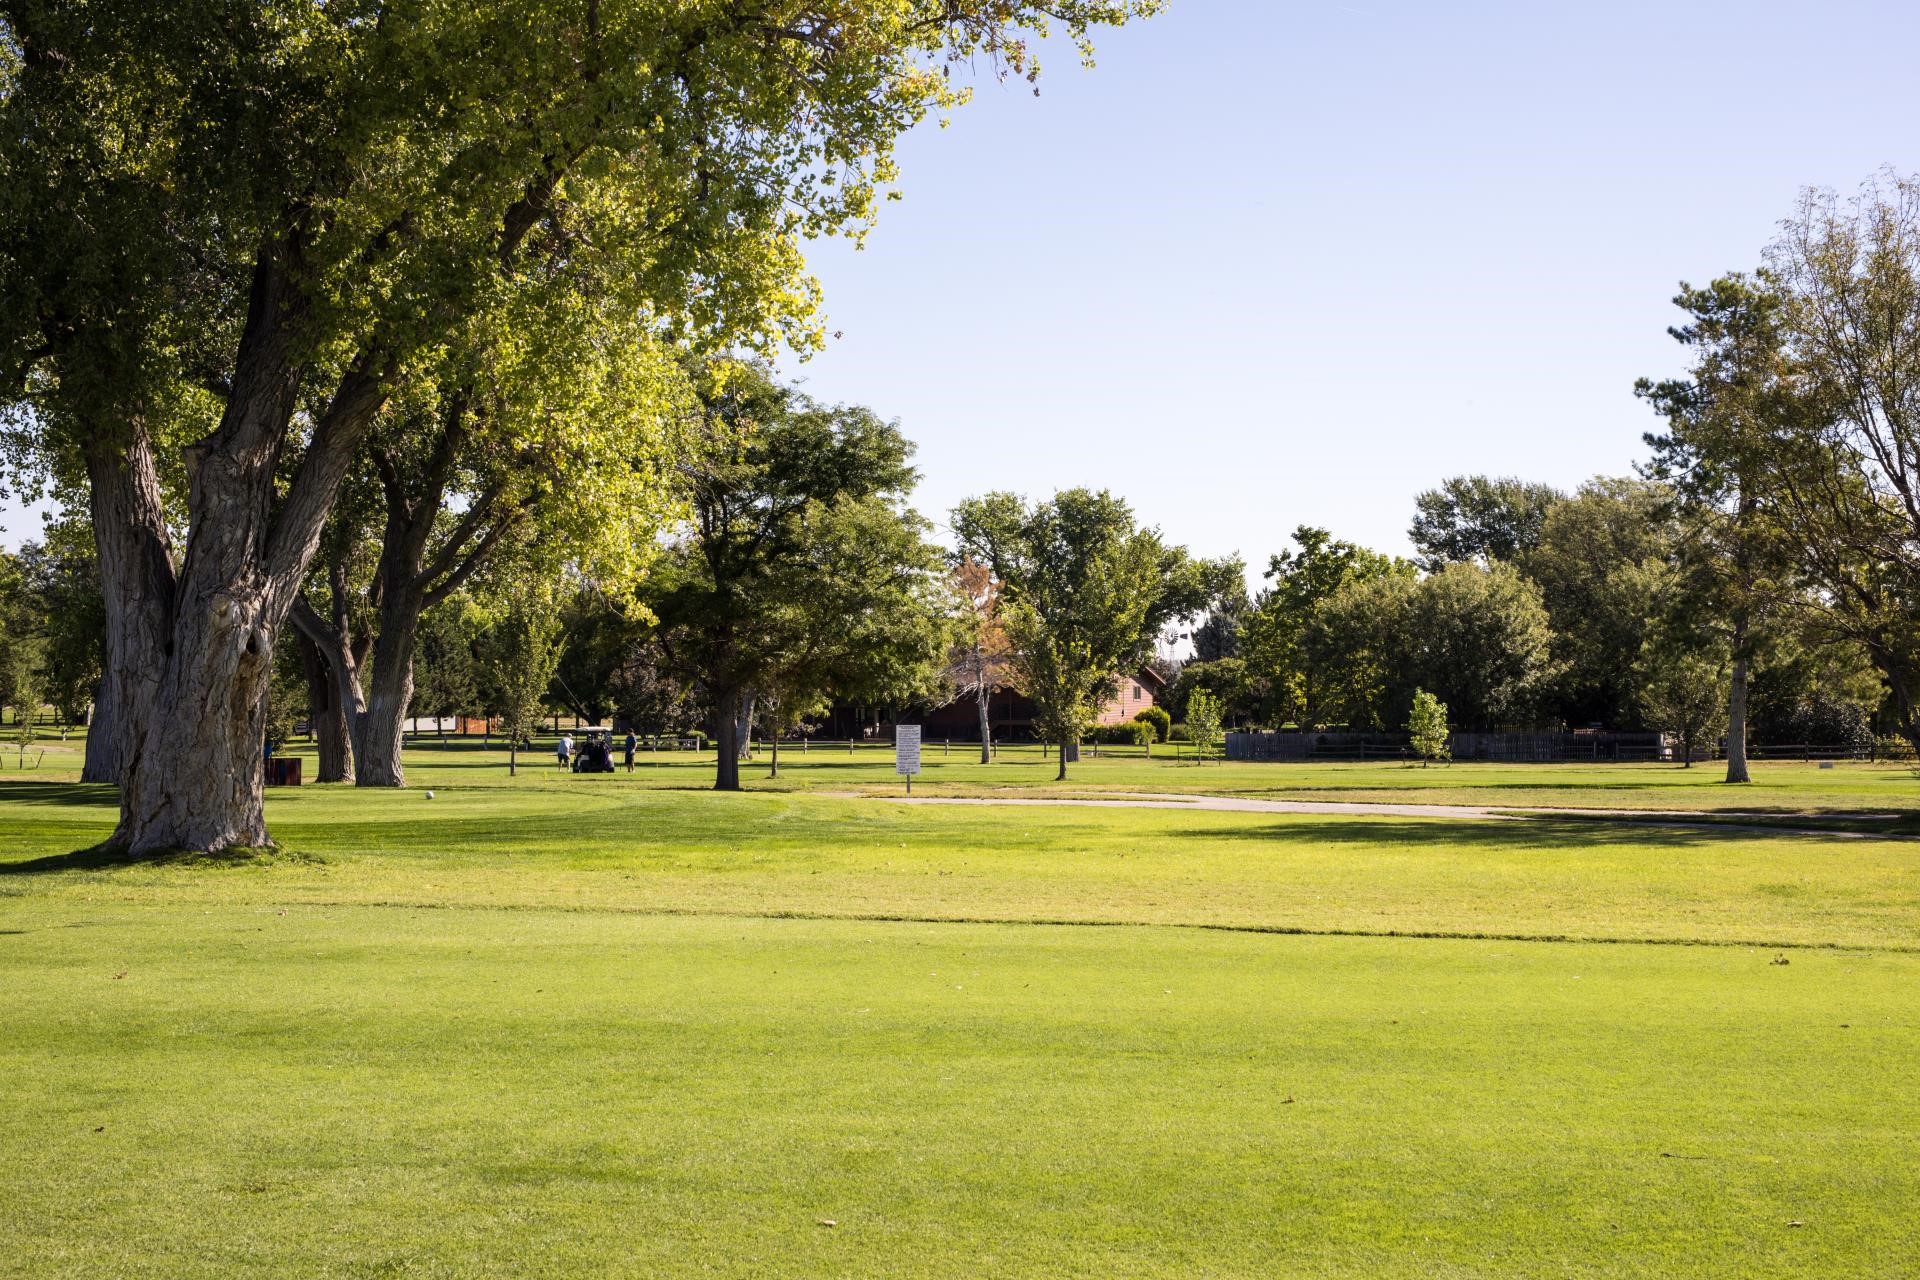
x,y
906,752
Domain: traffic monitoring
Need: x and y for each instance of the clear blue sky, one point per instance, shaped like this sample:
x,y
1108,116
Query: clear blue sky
x,y
1275,263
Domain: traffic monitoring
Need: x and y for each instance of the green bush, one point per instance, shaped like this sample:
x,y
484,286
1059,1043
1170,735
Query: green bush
x,y
1157,717
1892,747
1131,733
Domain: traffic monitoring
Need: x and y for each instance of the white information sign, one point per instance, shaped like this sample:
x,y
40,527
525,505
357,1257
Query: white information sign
x,y
906,749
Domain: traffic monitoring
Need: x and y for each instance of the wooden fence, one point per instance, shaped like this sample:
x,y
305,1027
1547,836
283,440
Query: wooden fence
x,y
1517,747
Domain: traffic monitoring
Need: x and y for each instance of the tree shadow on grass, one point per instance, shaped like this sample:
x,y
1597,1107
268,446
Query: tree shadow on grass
x,y
81,794
1736,801
106,858
1571,834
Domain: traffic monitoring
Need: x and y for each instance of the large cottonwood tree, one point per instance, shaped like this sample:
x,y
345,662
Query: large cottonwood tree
x,y
237,229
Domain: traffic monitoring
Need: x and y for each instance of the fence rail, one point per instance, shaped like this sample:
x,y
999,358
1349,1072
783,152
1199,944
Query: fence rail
x,y
1521,748
1812,751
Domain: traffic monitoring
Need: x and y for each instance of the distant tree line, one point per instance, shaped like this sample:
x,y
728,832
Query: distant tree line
x,y
1759,575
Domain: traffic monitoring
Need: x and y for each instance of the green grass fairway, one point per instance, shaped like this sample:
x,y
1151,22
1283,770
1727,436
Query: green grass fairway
x,y
624,1027
1885,794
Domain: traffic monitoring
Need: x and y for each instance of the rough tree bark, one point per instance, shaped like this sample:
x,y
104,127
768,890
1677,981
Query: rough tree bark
x,y
1903,680
102,762
326,711
1061,776
1745,513
196,713
130,539
377,750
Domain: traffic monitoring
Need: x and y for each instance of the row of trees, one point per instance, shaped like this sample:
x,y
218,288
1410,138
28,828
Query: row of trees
x,y
1594,619
234,276
801,576
318,358
1763,568
783,568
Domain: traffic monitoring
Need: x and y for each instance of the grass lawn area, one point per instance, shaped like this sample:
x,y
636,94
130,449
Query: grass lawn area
x,y
622,1026
1783,788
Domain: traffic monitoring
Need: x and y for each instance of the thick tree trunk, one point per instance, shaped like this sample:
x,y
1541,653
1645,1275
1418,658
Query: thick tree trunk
x,y
774,770
981,697
727,735
194,779
381,735
102,762
1737,710
194,766
1062,775
137,581
327,711
1742,632
383,727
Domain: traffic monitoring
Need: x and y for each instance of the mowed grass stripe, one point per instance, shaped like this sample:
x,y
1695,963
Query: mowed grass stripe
x,y
1859,789
633,1030
350,1091
796,854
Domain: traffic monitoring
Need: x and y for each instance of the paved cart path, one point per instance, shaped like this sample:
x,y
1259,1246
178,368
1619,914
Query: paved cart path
x,y
1754,822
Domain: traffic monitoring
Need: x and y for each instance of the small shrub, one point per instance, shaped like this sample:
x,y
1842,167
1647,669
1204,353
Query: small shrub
x,y
1204,717
1157,717
1428,726
1131,733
